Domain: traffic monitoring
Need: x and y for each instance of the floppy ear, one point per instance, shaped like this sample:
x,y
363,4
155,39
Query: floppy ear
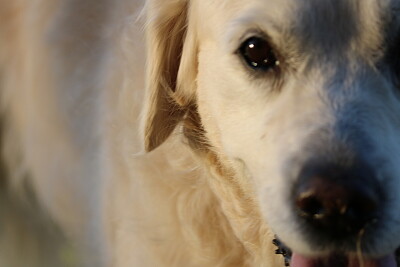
x,y
171,56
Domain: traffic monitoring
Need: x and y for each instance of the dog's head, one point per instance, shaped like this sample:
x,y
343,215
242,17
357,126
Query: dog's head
x,y
303,96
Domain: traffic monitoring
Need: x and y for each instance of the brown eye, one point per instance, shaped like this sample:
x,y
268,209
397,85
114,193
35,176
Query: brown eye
x,y
258,54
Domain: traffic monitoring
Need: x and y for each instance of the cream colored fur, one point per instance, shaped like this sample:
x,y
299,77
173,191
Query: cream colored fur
x,y
146,141
72,90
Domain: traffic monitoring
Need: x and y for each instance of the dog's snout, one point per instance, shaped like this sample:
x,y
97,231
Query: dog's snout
x,y
336,199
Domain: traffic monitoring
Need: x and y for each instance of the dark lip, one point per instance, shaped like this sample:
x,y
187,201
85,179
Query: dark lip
x,y
286,252
283,250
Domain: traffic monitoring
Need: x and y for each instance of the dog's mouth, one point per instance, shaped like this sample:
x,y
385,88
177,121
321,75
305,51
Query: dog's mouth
x,y
335,260
343,261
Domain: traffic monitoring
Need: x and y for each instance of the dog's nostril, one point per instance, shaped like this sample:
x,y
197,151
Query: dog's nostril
x,y
310,206
336,201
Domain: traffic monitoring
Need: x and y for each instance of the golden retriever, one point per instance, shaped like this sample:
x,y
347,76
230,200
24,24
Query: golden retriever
x,y
193,132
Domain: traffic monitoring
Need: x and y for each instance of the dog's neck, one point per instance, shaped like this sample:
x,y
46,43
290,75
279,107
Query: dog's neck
x,y
241,210
236,201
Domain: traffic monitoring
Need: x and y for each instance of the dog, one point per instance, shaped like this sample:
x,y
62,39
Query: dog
x,y
195,133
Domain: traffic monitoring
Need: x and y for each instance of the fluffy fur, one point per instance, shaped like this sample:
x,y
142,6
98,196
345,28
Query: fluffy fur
x,y
148,141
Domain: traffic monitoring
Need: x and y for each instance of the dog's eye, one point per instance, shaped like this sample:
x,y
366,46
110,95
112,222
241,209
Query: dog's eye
x,y
258,54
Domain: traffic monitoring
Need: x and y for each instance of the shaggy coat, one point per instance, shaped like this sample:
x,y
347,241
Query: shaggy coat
x,y
135,134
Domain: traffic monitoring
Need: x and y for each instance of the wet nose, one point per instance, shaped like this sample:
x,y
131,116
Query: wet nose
x,y
337,200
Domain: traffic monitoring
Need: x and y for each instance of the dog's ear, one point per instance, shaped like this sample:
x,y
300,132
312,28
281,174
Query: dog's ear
x,y
171,57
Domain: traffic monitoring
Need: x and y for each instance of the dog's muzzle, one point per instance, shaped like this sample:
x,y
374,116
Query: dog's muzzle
x,y
338,201
337,204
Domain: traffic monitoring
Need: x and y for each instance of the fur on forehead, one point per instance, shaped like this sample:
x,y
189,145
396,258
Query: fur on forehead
x,y
329,27
354,26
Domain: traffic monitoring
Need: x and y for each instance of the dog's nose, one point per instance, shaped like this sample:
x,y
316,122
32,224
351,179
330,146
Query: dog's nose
x,y
337,200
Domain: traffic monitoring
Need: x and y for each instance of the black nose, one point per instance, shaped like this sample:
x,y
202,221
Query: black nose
x,y
337,200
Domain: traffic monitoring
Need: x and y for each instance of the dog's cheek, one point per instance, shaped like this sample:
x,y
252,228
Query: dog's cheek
x,y
229,107
240,119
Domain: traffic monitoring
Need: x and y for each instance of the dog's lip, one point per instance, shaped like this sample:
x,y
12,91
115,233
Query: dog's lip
x,y
343,261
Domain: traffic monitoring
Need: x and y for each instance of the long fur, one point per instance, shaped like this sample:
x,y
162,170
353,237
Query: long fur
x,y
201,232
126,127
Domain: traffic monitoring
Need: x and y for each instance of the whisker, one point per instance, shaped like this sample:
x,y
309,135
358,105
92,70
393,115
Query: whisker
x,y
359,249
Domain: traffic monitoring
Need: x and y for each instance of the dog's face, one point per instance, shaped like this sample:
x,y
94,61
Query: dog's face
x,y
303,95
